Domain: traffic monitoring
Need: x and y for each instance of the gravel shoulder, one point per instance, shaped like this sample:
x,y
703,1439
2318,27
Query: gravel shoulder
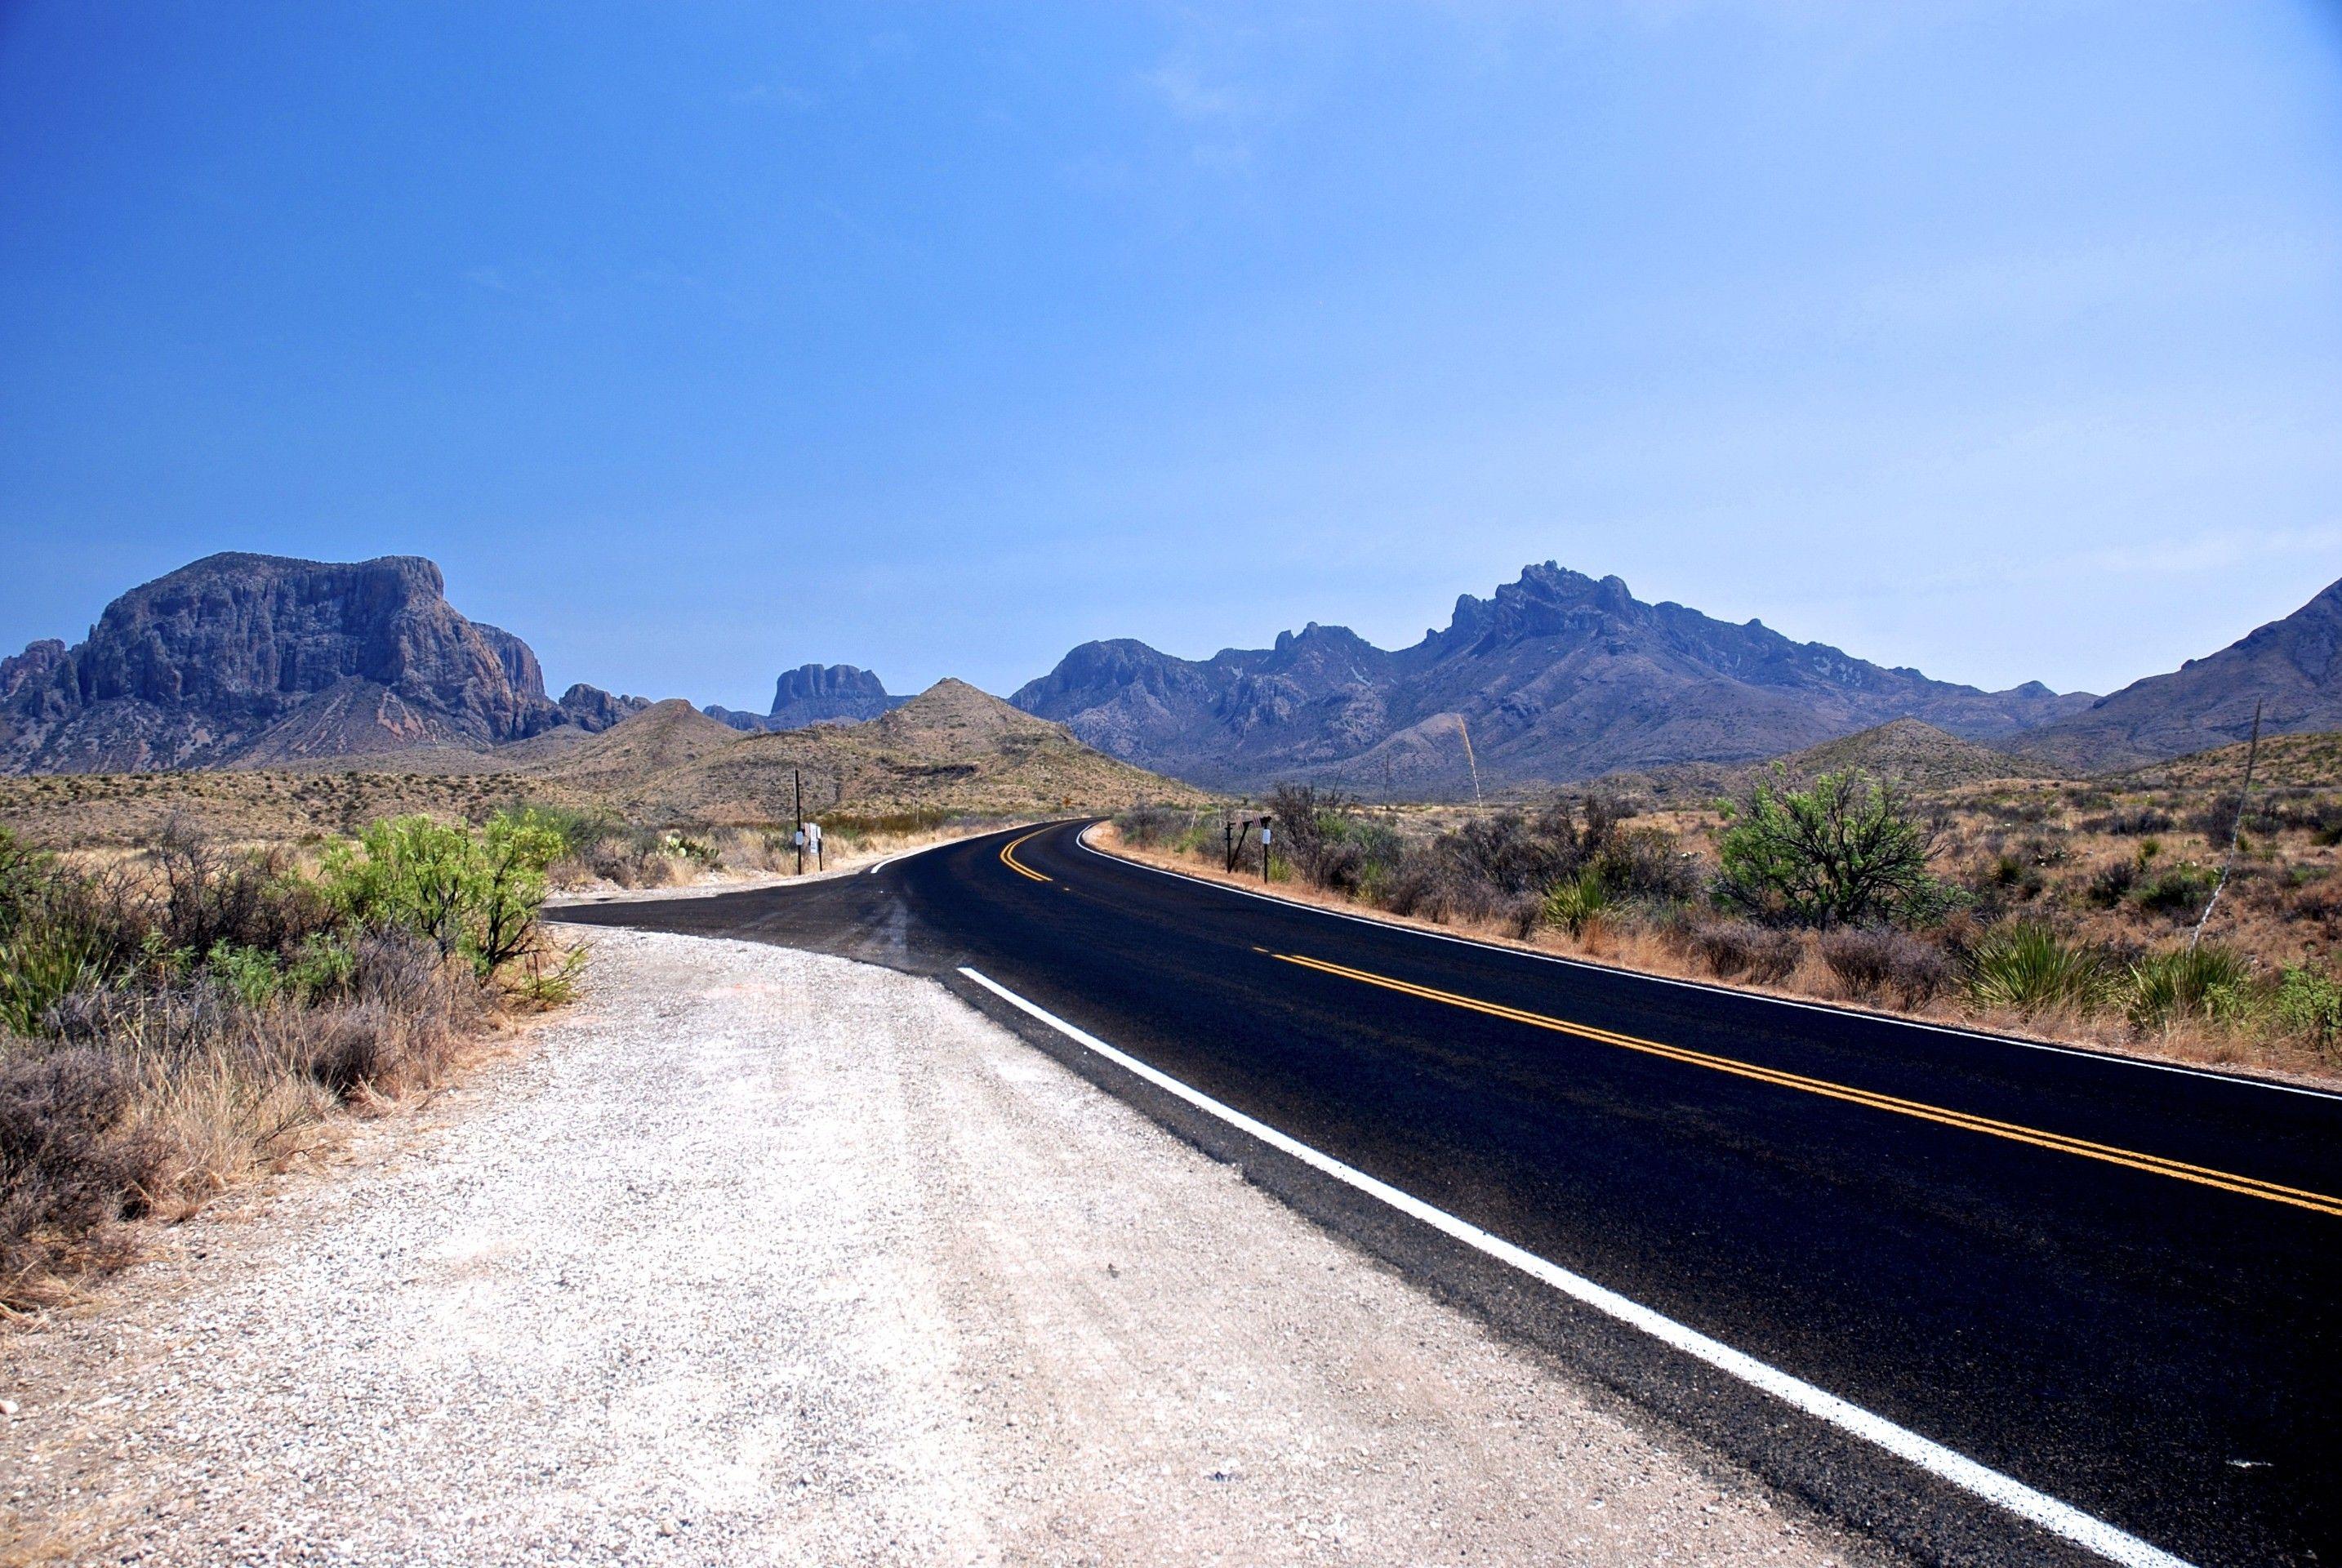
x,y
765,1257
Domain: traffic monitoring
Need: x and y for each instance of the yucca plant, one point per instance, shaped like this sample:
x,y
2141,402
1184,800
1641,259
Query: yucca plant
x,y
2206,982
1577,902
2027,967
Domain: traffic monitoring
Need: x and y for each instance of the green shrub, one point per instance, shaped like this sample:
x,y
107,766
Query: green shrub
x,y
324,967
2309,1004
2028,968
2208,982
2180,891
253,974
1843,852
474,894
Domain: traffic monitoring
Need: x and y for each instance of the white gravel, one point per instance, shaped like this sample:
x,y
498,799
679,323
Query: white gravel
x,y
765,1257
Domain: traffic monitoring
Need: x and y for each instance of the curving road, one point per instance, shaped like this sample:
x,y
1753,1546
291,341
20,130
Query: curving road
x,y
1992,1302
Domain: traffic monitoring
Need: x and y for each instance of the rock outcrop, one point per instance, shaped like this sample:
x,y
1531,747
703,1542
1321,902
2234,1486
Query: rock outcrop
x,y
240,658
815,694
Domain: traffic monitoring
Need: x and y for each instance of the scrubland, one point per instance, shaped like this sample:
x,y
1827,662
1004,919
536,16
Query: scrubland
x,y
176,1021
2056,909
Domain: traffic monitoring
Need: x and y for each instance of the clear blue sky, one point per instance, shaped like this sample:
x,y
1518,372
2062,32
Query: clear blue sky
x,y
699,340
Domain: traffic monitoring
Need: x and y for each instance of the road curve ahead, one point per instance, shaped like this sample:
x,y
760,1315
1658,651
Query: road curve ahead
x,y
2102,1286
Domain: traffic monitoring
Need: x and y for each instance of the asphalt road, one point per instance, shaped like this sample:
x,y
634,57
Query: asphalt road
x,y
2114,1283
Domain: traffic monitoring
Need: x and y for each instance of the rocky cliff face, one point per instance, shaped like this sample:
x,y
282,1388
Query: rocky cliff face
x,y
815,694
1556,676
242,657
2292,667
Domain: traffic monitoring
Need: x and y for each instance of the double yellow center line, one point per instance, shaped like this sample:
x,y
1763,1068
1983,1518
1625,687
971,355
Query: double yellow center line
x,y
1008,855
2155,1165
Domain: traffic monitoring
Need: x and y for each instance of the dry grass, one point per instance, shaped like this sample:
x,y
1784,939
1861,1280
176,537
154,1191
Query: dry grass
x,y
193,1018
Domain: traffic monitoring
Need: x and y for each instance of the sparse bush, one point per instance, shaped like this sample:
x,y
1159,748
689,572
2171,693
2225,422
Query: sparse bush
x,y
2027,967
1146,826
2180,891
1843,852
1873,962
2132,823
73,1157
2309,1005
1732,949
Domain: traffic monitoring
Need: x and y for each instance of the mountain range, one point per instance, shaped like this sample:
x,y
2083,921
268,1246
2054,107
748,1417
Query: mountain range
x,y
249,661
1557,676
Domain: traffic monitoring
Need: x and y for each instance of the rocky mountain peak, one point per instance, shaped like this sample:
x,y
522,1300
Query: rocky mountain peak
x,y
242,654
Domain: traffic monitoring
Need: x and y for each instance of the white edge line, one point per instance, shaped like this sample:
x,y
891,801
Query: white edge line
x,y
2111,1057
873,869
2062,1519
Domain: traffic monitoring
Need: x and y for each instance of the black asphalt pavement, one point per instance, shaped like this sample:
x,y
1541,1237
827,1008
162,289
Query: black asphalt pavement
x,y
2114,1282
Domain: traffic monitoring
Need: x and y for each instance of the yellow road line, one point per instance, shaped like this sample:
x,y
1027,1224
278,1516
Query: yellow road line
x,y
1008,857
2155,1164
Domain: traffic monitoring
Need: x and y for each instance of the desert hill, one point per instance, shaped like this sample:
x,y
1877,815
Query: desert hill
x,y
2286,762
2292,666
952,748
1907,752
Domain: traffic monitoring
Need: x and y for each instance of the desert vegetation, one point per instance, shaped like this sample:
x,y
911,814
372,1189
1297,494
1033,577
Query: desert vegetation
x,y
2057,908
175,1020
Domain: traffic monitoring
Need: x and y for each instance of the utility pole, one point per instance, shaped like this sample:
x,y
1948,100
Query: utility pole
x,y
2236,833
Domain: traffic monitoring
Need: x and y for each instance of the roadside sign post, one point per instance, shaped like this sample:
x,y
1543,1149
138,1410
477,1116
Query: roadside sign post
x,y
798,774
1264,831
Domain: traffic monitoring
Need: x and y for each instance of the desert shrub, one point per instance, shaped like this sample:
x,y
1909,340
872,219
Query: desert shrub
x,y
253,974
73,1156
1731,949
1432,887
1843,852
1576,902
1645,863
2027,967
476,894
2206,982
2132,822
2179,891
2308,1004
1147,825
2111,884
1872,962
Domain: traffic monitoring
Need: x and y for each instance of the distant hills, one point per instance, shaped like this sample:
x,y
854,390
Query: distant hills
x,y
1558,677
242,661
2292,666
951,749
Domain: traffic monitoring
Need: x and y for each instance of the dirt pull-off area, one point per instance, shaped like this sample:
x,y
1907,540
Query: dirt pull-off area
x,y
764,1257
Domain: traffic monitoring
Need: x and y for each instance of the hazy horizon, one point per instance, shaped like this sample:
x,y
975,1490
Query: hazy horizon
x,y
2003,341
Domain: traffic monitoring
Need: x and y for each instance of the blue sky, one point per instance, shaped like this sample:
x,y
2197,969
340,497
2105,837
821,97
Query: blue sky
x,y
700,340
